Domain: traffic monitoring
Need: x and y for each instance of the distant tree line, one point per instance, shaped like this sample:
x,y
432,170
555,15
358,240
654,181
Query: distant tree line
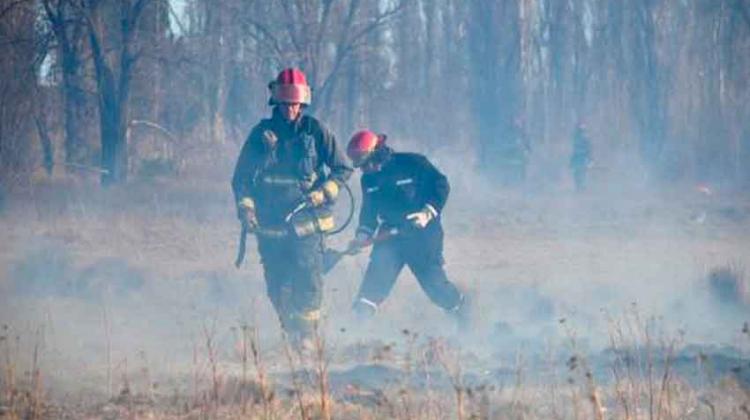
x,y
92,84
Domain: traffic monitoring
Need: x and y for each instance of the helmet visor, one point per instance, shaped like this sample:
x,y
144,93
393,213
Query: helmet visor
x,y
295,94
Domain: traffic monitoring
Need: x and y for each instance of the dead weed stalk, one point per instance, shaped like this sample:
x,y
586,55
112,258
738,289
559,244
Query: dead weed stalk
x,y
450,362
578,365
642,367
266,391
321,366
209,336
296,382
21,399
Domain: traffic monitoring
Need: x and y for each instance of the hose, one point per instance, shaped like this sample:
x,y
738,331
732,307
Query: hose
x,y
350,216
243,234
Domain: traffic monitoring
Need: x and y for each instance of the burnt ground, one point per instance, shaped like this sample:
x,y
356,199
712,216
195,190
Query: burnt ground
x,y
133,289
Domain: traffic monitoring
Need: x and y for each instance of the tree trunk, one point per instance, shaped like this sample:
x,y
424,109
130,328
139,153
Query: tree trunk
x,y
494,76
74,102
647,96
48,151
483,80
217,84
67,25
114,92
111,131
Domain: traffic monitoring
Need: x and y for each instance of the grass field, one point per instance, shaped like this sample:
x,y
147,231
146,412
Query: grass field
x,y
612,303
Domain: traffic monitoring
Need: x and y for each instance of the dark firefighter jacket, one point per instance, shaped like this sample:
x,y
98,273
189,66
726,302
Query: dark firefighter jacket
x,y
405,184
281,162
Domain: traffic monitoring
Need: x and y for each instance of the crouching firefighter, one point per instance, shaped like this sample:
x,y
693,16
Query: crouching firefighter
x,y
402,194
289,171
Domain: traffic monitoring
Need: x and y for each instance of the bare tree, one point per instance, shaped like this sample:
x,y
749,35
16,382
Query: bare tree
x,y
319,36
664,81
114,72
21,58
67,25
649,79
494,40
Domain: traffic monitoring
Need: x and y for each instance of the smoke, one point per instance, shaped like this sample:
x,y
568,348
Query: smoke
x,y
111,317
49,272
541,264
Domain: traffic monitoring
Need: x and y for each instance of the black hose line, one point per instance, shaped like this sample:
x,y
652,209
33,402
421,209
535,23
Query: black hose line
x,y
349,217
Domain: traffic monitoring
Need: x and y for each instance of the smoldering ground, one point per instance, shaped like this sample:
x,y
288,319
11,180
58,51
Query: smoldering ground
x,y
136,285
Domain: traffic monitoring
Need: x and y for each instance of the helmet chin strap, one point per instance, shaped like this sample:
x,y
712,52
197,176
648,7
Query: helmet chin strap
x,y
371,167
379,157
381,154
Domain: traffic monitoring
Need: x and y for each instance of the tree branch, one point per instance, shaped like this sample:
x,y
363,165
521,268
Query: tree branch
x,y
10,7
349,45
323,25
265,32
291,26
173,15
379,21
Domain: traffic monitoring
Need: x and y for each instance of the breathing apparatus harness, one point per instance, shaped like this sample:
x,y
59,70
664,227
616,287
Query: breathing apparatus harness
x,y
323,224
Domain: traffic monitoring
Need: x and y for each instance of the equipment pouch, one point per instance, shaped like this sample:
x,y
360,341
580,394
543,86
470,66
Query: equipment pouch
x,y
317,220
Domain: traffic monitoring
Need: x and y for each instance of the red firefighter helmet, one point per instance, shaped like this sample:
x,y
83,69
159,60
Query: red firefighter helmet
x,y
363,145
290,86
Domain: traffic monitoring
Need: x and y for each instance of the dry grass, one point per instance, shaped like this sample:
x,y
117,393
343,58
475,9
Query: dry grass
x,y
182,239
640,390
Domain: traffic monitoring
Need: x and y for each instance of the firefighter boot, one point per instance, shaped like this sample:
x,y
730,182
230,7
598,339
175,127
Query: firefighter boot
x,y
301,329
462,314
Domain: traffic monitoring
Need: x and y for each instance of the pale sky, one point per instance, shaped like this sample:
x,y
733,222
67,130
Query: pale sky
x,y
178,7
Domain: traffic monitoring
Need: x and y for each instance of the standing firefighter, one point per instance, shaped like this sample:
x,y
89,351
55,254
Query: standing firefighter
x,y
402,194
580,157
288,173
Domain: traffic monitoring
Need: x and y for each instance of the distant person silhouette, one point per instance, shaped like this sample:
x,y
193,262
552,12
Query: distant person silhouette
x,y
580,157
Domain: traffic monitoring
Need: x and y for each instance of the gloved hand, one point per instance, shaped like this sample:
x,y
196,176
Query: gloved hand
x,y
361,240
325,194
421,218
246,213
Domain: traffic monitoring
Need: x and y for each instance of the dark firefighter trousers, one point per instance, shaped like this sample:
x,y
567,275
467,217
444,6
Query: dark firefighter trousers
x,y
293,272
422,251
